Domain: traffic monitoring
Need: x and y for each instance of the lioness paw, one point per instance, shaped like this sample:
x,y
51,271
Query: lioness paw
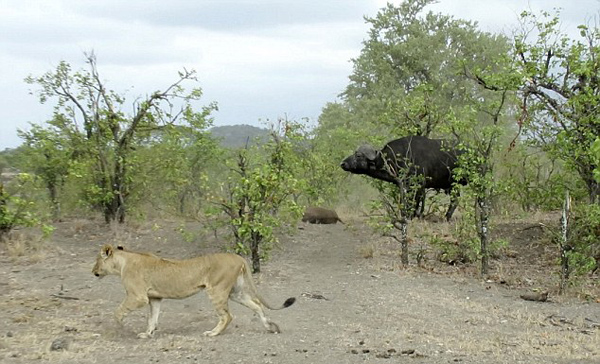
x,y
273,328
144,335
210,333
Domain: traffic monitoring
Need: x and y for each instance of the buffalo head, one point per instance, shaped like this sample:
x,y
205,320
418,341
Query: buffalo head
x,y
365,159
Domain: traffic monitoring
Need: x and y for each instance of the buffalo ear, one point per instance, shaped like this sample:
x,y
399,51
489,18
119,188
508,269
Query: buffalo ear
x,y
106,251
368,151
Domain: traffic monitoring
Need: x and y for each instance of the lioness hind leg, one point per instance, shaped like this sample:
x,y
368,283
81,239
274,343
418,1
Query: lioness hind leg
x,y
152,318
254,304
221,304
130,303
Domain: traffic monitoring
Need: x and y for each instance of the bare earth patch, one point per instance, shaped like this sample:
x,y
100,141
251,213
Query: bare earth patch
x,y
355,305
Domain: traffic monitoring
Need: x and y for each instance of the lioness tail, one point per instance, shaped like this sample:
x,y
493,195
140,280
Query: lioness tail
x,y
246,271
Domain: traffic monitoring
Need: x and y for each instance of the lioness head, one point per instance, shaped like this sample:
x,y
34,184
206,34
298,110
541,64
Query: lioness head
x,y
105,263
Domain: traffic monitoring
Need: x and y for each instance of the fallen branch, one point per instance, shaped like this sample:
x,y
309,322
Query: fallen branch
x,y
64,297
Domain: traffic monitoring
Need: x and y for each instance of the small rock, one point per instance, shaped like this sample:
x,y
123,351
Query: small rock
x,y
59,344
385,355
9,334
408,352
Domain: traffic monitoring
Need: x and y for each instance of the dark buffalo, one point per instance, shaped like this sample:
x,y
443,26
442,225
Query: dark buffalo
x,y
320,215
434,159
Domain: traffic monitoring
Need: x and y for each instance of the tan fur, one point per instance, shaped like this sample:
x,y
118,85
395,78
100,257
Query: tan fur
x,y
148,279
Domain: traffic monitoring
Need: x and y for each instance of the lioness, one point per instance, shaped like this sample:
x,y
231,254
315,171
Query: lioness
x,y
148,279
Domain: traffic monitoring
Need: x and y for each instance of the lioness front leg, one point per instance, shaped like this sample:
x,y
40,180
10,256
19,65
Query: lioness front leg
x,y
152,318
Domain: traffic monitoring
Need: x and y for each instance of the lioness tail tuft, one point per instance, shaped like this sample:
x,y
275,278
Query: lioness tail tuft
x,y
290,301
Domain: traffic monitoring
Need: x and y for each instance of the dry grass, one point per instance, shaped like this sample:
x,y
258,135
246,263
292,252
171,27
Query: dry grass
x,y
366,251
373,300
25,245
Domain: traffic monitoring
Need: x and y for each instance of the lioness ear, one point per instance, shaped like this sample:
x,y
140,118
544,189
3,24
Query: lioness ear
x,y
106,251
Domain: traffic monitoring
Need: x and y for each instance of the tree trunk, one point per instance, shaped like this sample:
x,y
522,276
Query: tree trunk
x,y
254,244
564,245
55,203
483,228
404,241
114,209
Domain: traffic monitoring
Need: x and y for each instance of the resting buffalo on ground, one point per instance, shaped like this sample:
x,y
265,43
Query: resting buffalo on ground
x,y
320,215
432,158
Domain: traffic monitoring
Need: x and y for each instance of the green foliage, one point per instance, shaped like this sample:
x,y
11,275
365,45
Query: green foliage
x,y
48,154
18,206
534,180
319,155
561,92
464,245
583,233
596,158
398,204
481,125
174,166
103,138
257,196
408,76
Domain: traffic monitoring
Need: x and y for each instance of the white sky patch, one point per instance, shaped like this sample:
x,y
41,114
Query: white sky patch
x,y
256,59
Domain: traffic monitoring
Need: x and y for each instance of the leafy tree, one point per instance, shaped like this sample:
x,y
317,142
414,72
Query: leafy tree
x,y
17,206
321,150
398,203
408,76
479,126
92,118
561,91
47,153
413,78
257,195
174,166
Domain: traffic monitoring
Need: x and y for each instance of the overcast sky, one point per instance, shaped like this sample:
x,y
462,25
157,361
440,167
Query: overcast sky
x,y
258,59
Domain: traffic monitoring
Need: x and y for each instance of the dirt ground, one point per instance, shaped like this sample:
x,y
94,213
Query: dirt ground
x,y
355,304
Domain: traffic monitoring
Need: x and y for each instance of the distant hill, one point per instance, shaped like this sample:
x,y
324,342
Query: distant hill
x,y
236,136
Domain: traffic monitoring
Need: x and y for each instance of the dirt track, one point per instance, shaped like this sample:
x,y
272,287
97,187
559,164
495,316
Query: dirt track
x,y
349,310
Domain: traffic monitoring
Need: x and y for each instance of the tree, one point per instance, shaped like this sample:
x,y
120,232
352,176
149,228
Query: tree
x,y
561,92
397,201
174,166
48,154
410,79
92,117
258,191
408,76
17,206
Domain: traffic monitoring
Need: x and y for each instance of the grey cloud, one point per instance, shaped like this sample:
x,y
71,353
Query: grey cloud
x,y
234,15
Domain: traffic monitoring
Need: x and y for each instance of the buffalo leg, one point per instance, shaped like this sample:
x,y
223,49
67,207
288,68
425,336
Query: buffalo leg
x,y
420,197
